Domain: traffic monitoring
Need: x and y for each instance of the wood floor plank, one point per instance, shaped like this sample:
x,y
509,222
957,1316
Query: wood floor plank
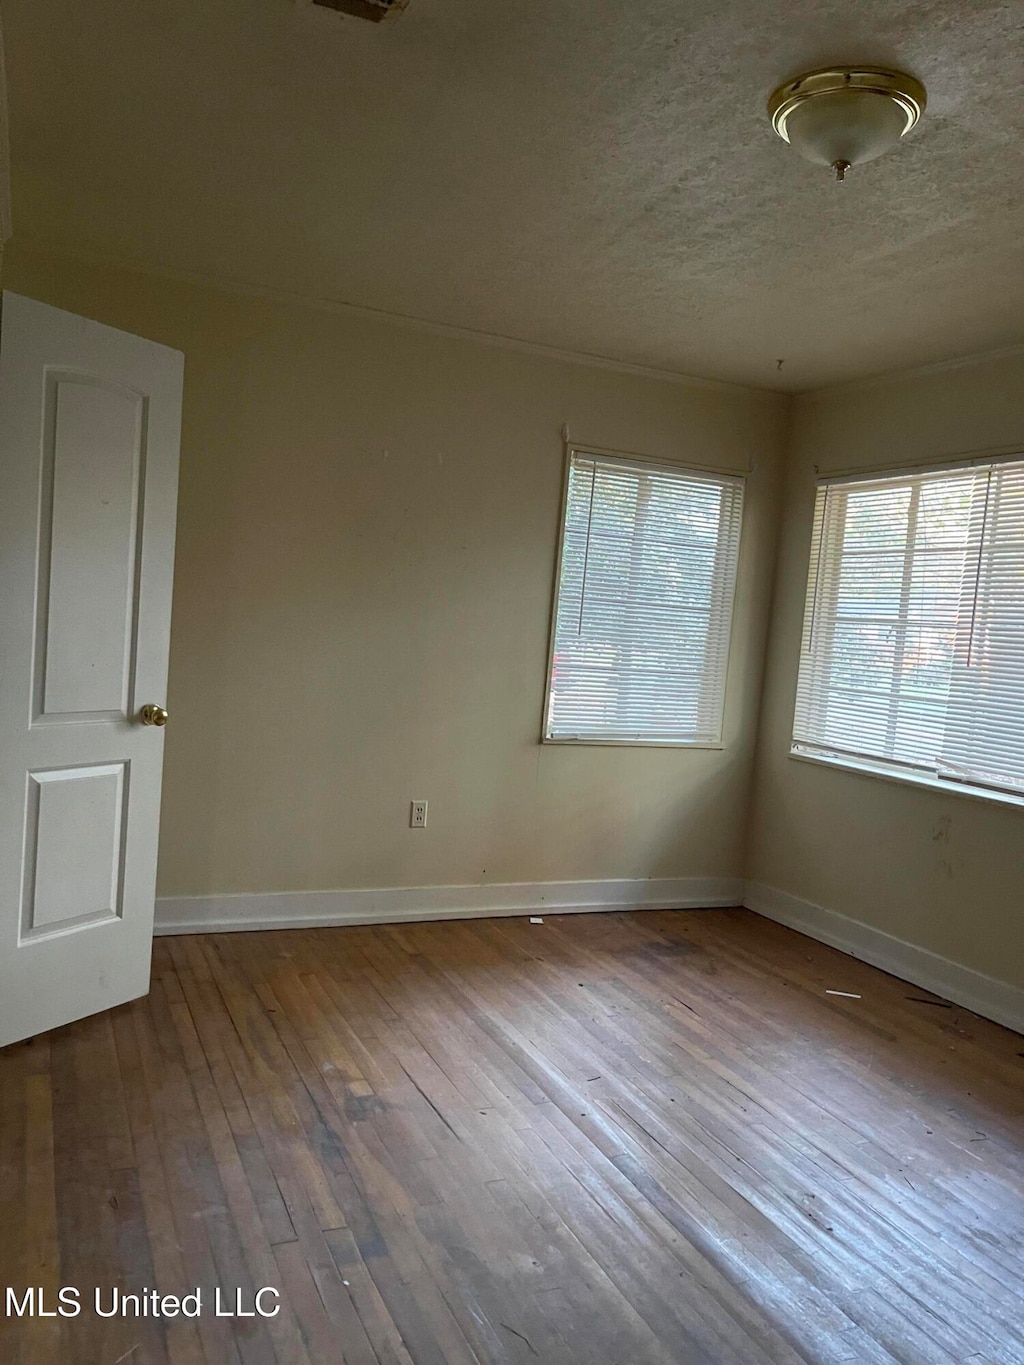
x,y
618,1139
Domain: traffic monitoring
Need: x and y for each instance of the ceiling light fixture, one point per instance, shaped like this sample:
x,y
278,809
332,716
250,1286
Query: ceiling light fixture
x,y
844,115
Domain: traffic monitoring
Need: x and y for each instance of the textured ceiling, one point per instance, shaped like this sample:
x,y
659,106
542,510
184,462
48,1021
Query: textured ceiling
x,y
597,176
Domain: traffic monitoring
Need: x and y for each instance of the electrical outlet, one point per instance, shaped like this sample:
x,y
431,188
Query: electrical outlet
x,y
418,815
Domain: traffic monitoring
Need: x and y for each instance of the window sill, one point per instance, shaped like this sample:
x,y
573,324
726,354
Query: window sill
x,y
589,742
906,779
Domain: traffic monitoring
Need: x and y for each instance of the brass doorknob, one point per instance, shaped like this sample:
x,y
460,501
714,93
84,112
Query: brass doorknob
x,y
152,714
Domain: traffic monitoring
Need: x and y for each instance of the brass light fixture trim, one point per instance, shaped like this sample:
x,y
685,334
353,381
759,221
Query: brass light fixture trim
x,y
809,111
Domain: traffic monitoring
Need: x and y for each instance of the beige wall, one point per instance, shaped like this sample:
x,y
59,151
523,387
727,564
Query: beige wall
x,y
367,531
945,872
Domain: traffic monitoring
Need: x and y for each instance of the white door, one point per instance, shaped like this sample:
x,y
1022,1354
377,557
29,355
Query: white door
x,y
89,425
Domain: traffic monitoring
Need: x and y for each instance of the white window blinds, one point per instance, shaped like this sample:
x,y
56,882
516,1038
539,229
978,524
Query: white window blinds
x,y
913,642
644,603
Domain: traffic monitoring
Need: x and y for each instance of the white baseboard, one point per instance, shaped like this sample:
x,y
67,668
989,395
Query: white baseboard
x,y
321,909
985,995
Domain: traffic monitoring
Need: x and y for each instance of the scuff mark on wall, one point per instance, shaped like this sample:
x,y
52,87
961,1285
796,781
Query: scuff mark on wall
x,y
942,830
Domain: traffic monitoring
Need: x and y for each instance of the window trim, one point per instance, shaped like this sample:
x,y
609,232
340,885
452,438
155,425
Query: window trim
x,y
949,465
867,766
907,777
658,462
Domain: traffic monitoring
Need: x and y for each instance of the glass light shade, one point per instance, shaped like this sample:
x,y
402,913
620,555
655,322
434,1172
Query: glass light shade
x,y
849,126
844,115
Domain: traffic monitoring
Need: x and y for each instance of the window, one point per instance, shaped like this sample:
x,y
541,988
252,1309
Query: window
x,y
643,603
913,644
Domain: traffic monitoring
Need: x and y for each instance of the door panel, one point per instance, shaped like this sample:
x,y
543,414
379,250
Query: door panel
x,y
74,836
92,483
89,431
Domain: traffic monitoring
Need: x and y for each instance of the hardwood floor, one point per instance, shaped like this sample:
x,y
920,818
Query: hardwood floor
x,y
607,1139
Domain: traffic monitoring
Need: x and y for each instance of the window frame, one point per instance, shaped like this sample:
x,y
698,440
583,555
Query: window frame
x,y
656,462
891,770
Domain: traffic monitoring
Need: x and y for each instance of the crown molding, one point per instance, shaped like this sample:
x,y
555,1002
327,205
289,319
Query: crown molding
x,y
287,298
875,381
